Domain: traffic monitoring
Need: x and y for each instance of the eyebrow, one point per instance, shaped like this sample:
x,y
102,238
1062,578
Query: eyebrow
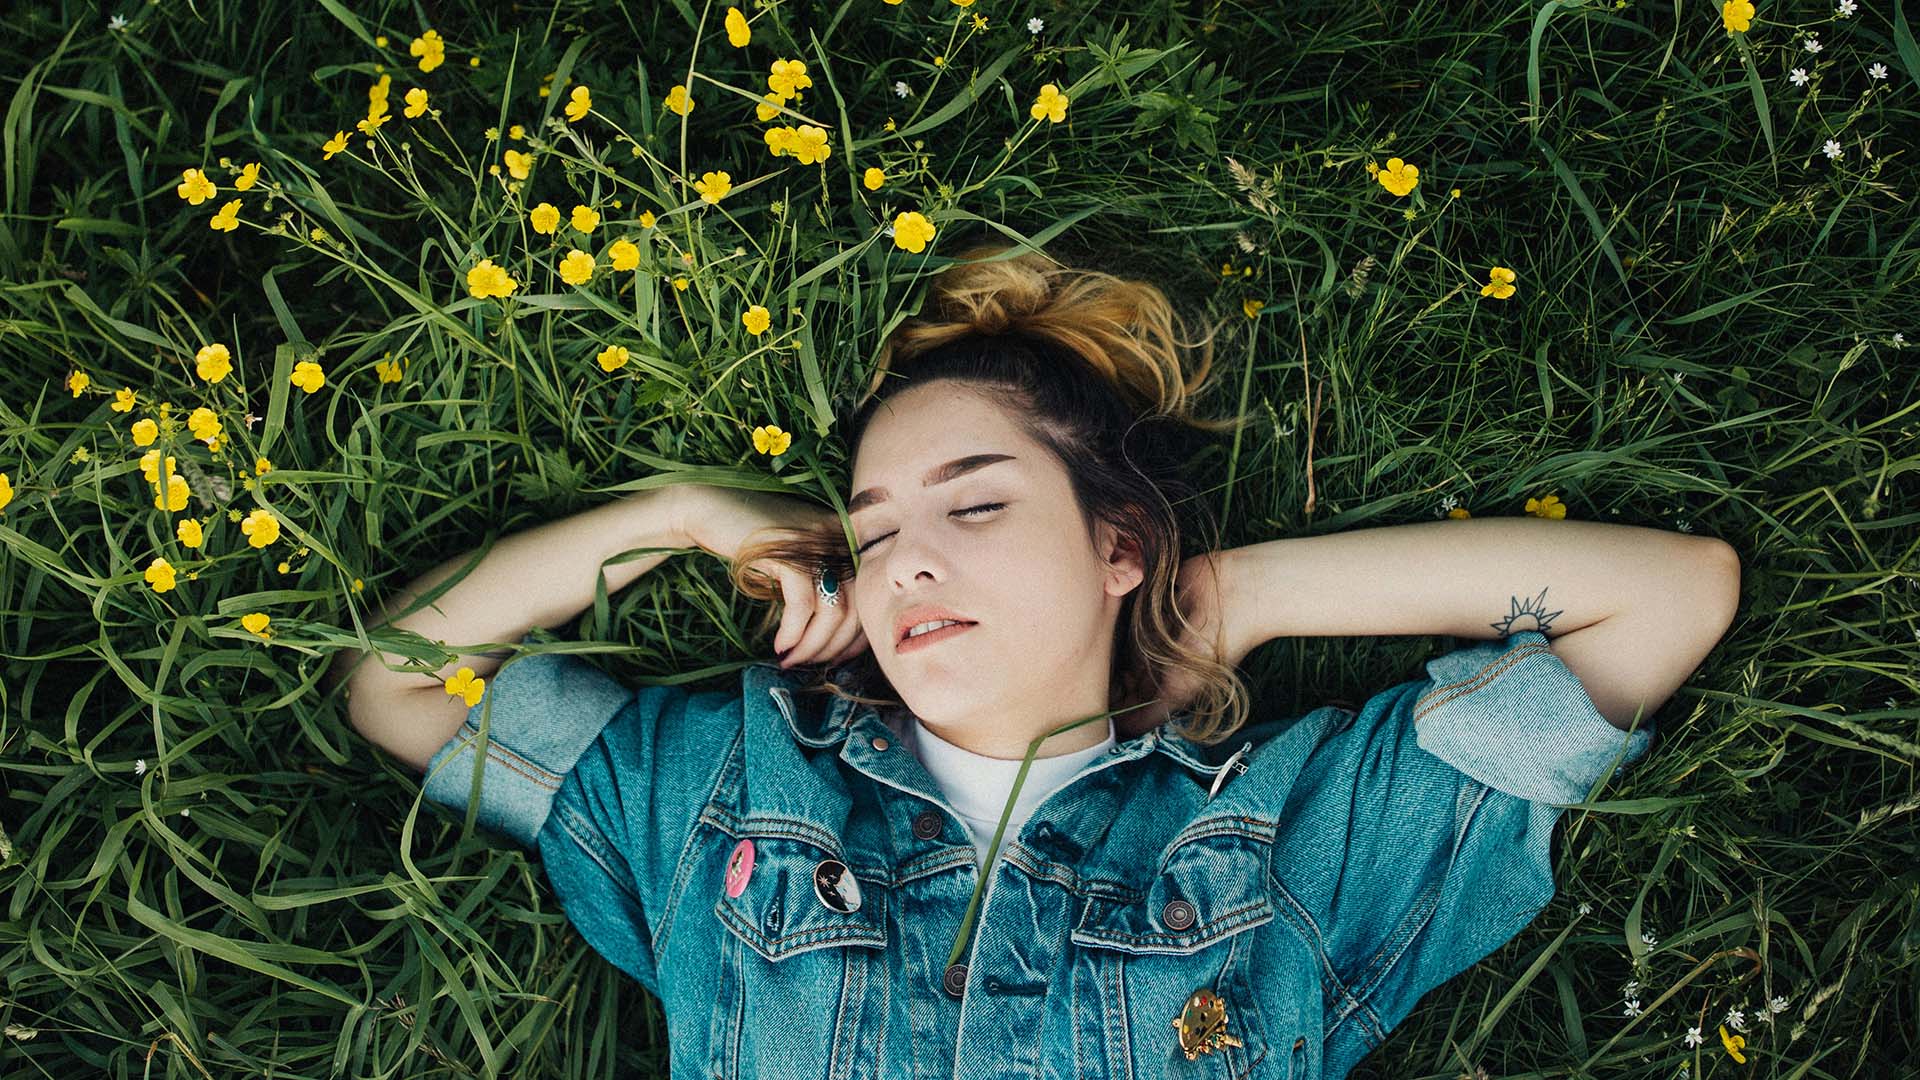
x,y
940,474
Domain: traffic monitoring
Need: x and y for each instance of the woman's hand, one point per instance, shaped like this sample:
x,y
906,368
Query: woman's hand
x,y
1205,602
723,520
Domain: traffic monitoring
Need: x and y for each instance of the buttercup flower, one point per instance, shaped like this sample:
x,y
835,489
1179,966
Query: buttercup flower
x,y
518,164
487,279
873,178
261,527
6,491
1501,284
516,132
150,465
771,440
195,187
1252,307
261,466
160,576
1549,507
1051,105
123,399
416,103
579,103
787,78
768,108
228,219
175,499
256,622
249,176
576,268
809,145
585,218
78,382
713,186
1734,1044
1736,15
307,376
679,100
388,370
212,362
681,284
430,49
912,231
545,218
334,145
612,358
205,426
144,432
646,219
756,320
1398,177
190,533
466,686
738,35
624,255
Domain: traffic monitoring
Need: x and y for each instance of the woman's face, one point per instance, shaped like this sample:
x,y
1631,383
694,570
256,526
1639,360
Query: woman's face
x,y
1044,598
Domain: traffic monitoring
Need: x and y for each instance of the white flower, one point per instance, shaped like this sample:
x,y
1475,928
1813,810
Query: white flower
x,y
1693,1037
1632,1010
900,88
1035,25
1683,525
1647,936
1899,340
1778,1005
1832,149
1877,71
184,811
1846,8
140,767
888,231
1586,908
1813,44
1799,76
1632,989
1736,1019
118,22
1447,505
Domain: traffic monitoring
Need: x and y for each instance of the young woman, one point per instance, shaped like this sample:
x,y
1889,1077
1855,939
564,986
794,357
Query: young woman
x,y
1017,823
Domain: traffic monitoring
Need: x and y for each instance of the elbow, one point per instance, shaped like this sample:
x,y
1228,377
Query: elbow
x,y
1722,580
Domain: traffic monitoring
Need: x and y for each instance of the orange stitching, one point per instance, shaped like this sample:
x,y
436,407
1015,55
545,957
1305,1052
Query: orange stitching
x,y
1479,681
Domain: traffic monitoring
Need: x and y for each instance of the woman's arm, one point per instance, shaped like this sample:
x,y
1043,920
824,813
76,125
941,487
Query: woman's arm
x,y
541,576
1633,610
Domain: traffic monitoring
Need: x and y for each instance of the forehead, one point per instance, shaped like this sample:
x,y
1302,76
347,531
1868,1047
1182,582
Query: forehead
x,y
915,433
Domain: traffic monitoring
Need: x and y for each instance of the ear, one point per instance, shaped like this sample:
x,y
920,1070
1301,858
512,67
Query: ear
x,y
1126,567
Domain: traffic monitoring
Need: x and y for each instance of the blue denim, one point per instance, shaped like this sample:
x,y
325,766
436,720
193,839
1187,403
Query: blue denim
x,y
1358,861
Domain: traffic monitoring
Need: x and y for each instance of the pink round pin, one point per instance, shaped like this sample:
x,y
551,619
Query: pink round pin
x,y
739,867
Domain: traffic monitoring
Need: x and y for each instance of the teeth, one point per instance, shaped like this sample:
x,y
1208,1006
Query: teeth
x,y
929,627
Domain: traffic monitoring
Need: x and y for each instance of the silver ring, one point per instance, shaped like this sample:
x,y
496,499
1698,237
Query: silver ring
x,y
827,586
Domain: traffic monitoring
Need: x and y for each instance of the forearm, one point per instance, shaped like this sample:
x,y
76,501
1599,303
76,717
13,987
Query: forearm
x,y
542,576
1475,578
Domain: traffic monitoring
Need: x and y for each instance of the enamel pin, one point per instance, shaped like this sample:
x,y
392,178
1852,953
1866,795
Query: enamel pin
x,y
1202,1025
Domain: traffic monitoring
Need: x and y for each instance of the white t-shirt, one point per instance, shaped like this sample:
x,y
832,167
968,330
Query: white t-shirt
x,y
977,785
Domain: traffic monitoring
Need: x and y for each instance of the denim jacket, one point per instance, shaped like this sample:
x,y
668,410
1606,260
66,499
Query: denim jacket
x,y
1319,875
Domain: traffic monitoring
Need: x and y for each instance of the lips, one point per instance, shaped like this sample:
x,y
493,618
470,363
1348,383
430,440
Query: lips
x,y
923,613
932,637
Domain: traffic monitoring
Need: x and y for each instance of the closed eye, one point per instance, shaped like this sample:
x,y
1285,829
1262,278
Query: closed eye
x,y
983,507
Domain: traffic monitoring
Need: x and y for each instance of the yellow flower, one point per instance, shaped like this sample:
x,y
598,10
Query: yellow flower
x,y
771,440
416,103
585,218
787,78
487,279
307,376
1459,513
388,370
78,382
809,144
757,319
545,218
1734,1044
1549,507
518,164
963,3
473,61
516,132
150,465
176,496
873,178
911,231
576,268
737,33
318,234
249,176
380,41
779,140
257,623
144,432
1501,284
160,575
430,49
1398,177
465,686
646,219
228,219
205,424
190,533
681,283
195,187
334,145
212,362
261,466
625,255
679,100
579,103
1252,307
376,117
261,527
6,491
1736,15
612,358
284,566
713,186
1051,105
123,399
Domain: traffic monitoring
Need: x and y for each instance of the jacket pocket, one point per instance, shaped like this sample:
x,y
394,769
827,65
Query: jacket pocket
x,y
1179,952
811,977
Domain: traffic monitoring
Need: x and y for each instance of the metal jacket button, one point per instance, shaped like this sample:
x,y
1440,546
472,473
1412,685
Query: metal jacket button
x,y
1178,914
836,886
926,825
955,980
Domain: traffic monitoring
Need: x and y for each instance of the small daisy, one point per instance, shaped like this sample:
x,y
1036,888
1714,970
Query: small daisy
x,y
1899,340
1035,25
140,767
1832,149
1736,1019
1813,44
901,89
1683,525
118,22
1799,77
1632,1009
1877,71
1693,1037
1631,990
1446,505
1647,936
1847,7
1778,1005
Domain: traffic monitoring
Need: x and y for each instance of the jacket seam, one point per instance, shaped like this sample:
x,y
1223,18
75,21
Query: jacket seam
x,y
512,760
1480,680
683,865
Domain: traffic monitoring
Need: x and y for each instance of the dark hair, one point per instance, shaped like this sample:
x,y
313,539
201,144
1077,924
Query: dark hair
x,y
1089,365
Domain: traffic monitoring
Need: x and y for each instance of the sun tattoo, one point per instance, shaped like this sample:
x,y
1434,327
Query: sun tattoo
x,y
1536,609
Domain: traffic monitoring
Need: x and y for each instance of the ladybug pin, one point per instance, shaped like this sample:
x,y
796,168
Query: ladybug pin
x,y
1202,1024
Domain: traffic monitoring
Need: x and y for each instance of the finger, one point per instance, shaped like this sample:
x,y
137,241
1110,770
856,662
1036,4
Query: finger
x,y
826,619
853,648
836,649
796,590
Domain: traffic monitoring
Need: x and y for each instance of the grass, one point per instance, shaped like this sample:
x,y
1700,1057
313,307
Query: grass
x,y
209,873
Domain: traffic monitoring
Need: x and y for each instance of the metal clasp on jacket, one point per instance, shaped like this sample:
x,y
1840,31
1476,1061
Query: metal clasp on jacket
x,y
1234,765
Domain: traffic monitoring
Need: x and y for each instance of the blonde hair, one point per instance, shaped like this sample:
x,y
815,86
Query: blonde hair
x,y
1091,366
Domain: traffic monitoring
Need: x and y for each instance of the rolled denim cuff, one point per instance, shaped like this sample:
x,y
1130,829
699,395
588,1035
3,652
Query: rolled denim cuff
x,y
542,712
1513,716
